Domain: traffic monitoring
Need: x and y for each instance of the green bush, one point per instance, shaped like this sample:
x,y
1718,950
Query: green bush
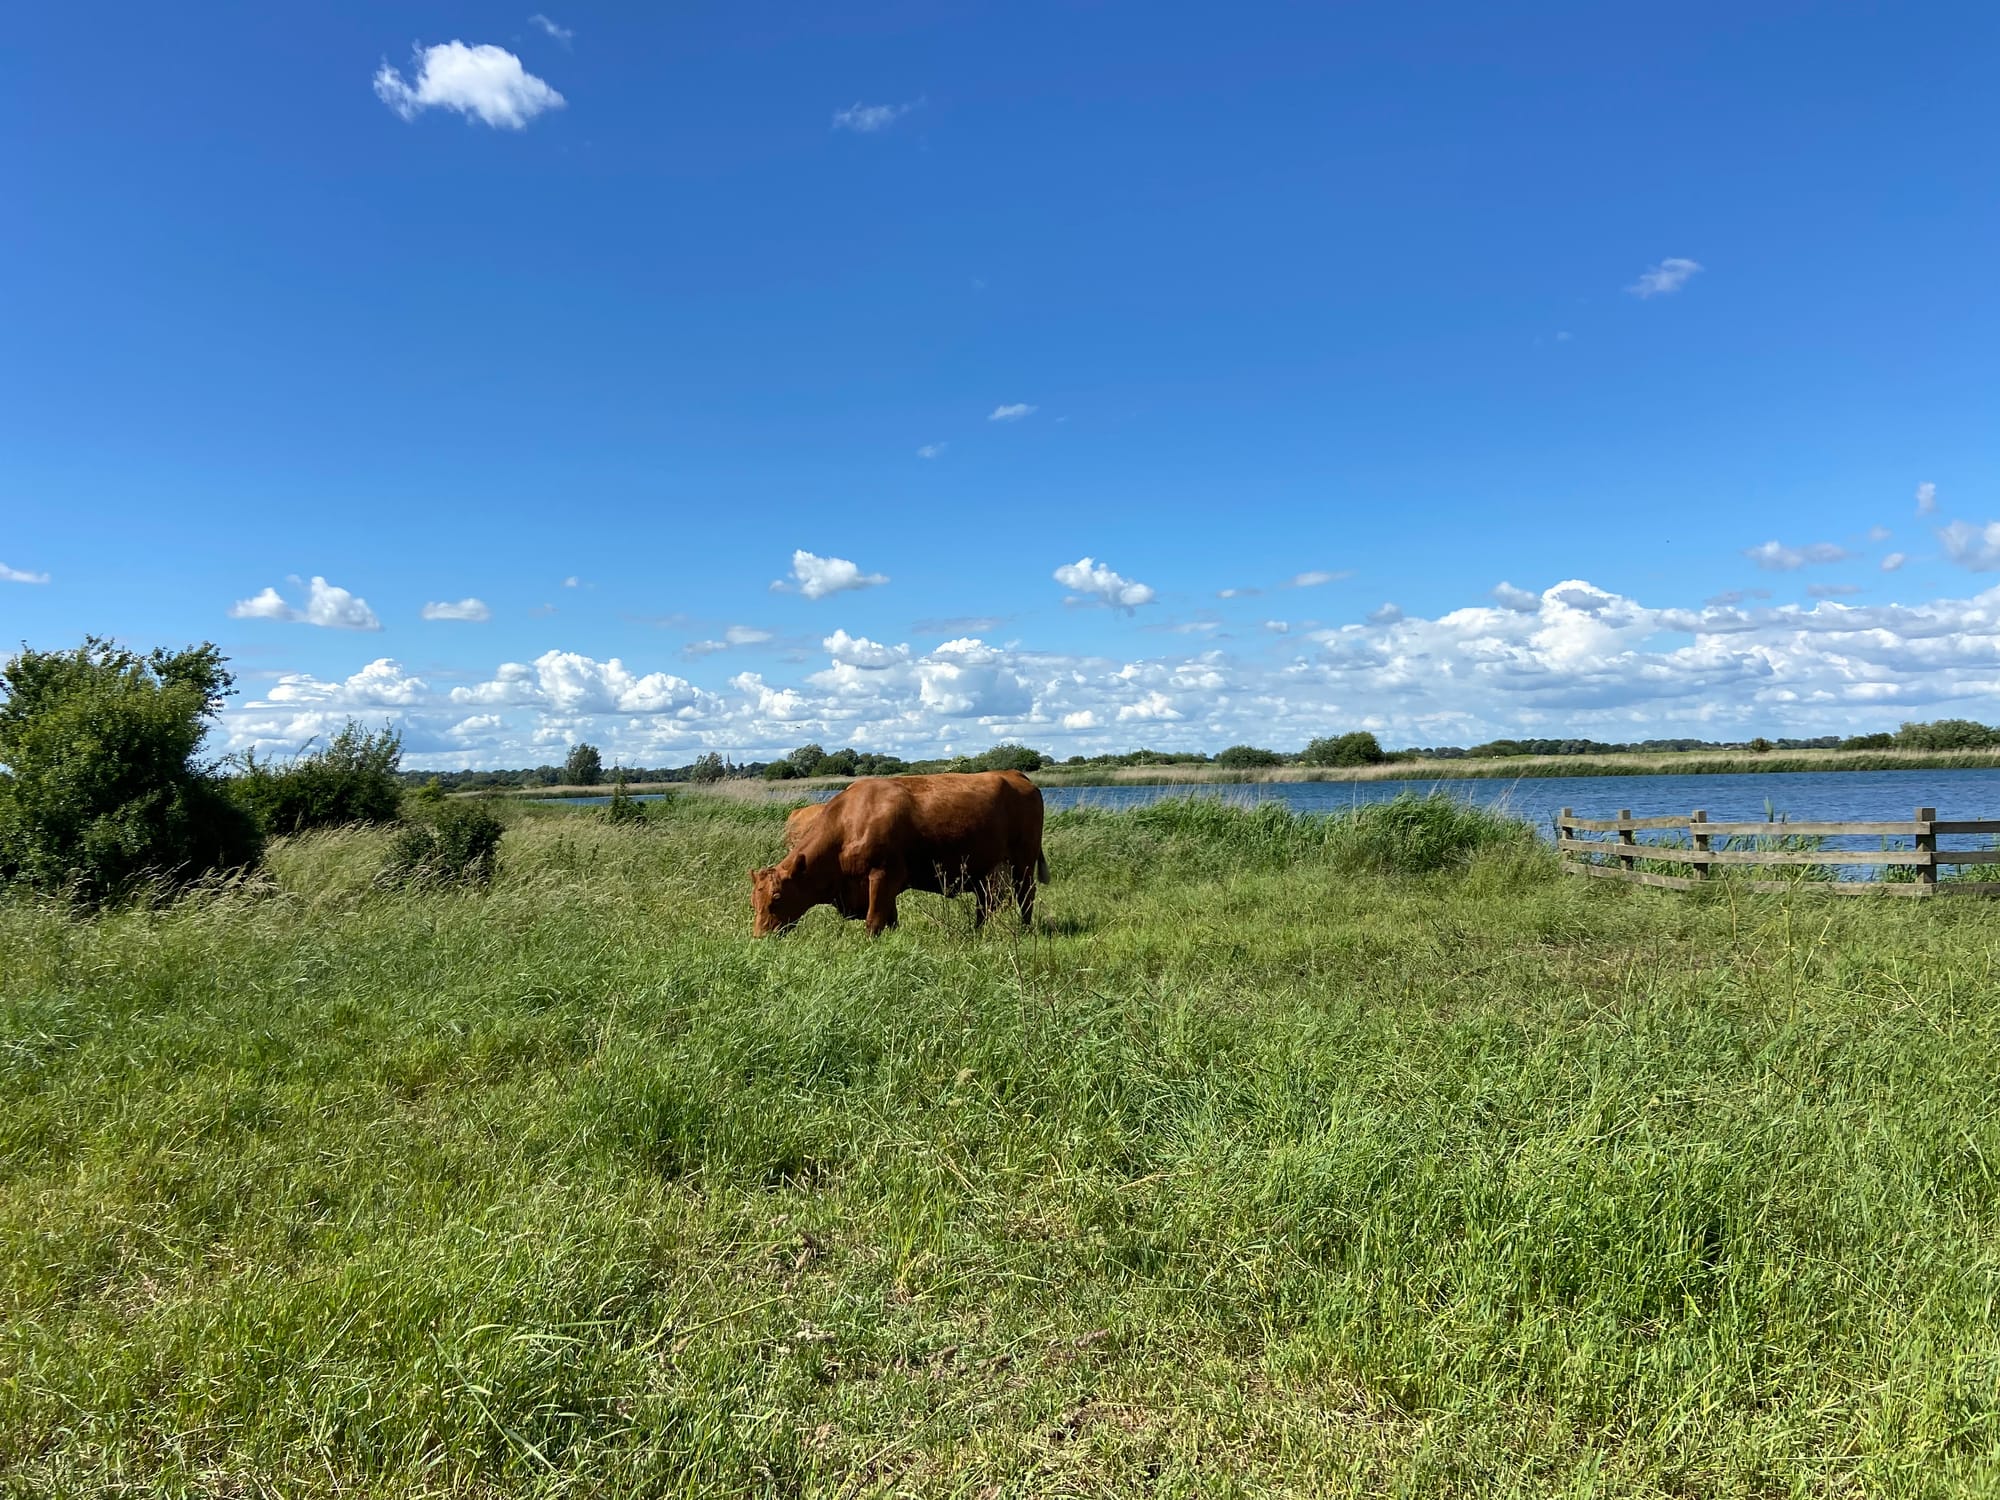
x,y
104,789
1947,734
350,779
623,807
1869,742
1248,757
457,844
1360,748
1006,758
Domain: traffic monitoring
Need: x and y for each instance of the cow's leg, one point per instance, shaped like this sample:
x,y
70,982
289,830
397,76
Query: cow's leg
x,y
882,890
1024,893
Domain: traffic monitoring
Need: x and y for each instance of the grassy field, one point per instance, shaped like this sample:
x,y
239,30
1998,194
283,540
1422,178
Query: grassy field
x,y
1266,1167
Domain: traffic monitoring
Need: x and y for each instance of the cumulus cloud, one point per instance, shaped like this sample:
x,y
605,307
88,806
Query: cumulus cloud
x,y
1388,614
326,605
1013,413
381,684
1669,276
1519,600
1926,499
1776,557
1894,561
817,577
1974,547
571,683
866,119
1278,627
20,575
485,83
1086,578
464,609
562,34
859,651
932,450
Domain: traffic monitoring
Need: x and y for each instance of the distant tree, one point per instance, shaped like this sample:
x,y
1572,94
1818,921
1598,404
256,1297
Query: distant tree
x,y
584,766
806,760
1247,757
104,786
781,770
708,767
841,763
1760,746
1358,748
1869,742
1946,734
1006,758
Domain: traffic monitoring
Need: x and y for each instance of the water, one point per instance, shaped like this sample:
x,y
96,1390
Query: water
x,y
1803,796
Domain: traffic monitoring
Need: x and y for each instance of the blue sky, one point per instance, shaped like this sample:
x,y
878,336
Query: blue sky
x,y
1365,308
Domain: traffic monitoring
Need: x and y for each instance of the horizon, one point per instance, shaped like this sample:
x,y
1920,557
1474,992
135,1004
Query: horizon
x,y
1082,377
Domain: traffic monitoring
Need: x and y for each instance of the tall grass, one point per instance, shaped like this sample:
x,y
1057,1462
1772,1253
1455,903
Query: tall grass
x,y
1289,1156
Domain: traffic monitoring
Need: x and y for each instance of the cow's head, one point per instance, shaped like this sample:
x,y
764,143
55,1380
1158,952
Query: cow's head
x,y
778,897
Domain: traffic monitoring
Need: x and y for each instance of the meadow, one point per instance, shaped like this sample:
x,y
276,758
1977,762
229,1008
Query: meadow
x,y
1289,1156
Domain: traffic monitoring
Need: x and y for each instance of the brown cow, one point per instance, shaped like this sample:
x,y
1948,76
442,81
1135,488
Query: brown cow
x,y
797,821
888,834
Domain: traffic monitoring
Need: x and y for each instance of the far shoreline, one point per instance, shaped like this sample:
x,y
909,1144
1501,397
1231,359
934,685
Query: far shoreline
x,y
1496,768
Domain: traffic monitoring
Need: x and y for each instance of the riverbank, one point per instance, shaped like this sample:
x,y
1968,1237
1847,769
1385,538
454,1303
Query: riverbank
x,y
1259,1168
1498,768
1515,767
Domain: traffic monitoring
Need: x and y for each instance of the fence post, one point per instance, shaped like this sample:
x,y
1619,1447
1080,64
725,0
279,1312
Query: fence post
x,y
1626,840
1927,843
1695,820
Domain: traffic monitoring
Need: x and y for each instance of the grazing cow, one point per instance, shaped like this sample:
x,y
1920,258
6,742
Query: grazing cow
x,y
798,821
888,834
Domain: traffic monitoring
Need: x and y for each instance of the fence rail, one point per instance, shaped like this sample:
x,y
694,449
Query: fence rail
x,y
1708,845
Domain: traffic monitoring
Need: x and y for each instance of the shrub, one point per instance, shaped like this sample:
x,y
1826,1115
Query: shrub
x,y
351,779
622,808
458,844
104,788
1947,734
584,766
1248,757
1360,748
1869,742
1006,758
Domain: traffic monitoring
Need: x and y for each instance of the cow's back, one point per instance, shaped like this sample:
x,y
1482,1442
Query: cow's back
x,y
954,820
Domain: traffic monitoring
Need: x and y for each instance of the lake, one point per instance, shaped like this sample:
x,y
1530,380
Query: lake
x,y
1817,796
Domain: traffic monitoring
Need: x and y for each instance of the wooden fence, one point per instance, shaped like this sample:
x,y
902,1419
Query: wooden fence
x,y
1708,845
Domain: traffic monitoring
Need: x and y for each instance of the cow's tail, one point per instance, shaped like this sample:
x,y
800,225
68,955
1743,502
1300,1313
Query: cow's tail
x,y
1042,868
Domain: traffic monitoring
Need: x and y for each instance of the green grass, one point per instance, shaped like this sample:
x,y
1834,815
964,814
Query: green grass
x,y
1272,1165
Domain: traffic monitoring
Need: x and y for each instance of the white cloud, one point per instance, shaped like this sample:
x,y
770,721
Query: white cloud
x,y
1519,600
1237,593
1670,275
1974,547
1313,580
816,577
1278,627
326,605
1090,579
866,119
734,636
381,684
1926,499
1013,413
932,450
572,582
1776,557
1879,533
19,575
562,34
859,651
484,82
1894,561
465,609
1387,614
